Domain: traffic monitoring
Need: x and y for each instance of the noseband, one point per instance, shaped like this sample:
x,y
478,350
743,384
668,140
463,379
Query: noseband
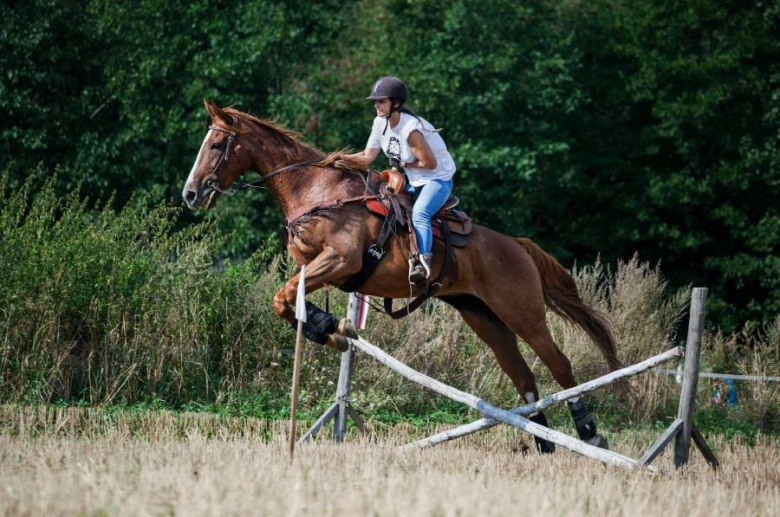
x,y
214,174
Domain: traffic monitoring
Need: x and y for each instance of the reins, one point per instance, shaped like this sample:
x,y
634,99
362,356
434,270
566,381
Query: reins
x,y
231,143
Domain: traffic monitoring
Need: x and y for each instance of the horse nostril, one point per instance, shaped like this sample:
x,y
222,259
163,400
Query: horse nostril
x,y
190,196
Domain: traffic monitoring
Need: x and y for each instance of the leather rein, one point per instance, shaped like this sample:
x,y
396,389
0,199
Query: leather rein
x,y
231,143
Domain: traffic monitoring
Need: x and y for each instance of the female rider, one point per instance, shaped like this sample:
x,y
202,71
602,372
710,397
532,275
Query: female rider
x,y
414,143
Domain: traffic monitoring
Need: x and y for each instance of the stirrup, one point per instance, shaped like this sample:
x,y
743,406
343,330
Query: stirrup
x,y
417,273
426,261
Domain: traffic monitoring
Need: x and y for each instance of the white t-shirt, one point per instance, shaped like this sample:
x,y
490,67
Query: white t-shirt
x,y
395,144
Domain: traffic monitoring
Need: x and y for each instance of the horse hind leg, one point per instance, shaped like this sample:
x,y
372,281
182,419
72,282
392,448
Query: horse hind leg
x,y
503,343
526,317
538,337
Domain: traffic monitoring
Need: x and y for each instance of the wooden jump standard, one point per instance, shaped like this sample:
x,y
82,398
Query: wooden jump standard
x,y
682,429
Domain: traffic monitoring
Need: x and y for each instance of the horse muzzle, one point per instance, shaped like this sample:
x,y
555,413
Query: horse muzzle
x,y
205,198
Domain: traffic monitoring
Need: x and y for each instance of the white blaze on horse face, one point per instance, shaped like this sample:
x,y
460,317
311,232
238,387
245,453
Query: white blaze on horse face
x,y
191,177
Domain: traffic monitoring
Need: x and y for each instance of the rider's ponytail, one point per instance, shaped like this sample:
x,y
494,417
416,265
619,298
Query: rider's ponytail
x,y
404,109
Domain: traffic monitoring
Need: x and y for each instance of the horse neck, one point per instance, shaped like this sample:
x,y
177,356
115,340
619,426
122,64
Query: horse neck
x,y
299,187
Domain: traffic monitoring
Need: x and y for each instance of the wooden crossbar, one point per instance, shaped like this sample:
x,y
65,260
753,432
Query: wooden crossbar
x,y
486,423
562,439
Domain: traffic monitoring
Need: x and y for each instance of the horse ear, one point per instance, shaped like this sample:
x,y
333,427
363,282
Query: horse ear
x,y
217,113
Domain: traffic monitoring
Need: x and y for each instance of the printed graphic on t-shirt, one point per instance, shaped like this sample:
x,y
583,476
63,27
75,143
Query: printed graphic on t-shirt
x,y
394,148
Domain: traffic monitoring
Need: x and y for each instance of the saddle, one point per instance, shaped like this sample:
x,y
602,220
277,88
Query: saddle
x,y
394,204
393,197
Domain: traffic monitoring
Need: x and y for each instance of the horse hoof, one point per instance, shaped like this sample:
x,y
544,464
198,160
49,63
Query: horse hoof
x,y
598,441
337,342
347,328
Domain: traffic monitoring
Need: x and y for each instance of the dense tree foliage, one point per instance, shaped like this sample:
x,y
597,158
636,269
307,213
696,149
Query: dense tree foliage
x,y
607,126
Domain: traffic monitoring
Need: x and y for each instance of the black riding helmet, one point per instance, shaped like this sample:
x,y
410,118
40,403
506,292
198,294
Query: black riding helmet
x,y
386,87
392,88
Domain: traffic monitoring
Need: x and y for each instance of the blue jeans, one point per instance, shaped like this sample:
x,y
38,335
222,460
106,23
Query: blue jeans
x,y
428,199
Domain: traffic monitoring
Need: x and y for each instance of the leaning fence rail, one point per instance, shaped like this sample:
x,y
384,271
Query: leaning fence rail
x,y
474,402
548,401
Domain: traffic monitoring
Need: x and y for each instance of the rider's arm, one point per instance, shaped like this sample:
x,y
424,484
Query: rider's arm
x,y
367,156
422,151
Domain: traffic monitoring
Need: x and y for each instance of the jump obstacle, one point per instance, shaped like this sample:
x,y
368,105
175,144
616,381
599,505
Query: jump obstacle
x,y
682,430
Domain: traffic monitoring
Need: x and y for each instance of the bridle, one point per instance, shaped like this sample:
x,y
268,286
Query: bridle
x,y
231,143
300,212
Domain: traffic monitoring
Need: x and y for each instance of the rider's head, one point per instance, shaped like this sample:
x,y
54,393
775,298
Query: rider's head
x,y
388,94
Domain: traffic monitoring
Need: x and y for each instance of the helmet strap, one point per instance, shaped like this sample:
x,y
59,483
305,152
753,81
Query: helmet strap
x,y
393,109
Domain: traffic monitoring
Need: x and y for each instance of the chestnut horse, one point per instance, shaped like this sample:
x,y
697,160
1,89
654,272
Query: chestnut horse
x,y
502,283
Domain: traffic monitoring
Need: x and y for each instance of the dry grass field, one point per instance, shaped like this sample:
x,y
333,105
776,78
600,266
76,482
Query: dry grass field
x,y
81,462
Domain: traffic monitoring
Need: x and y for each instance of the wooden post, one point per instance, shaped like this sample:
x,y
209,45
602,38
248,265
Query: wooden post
x,y
682,442
344,387
300,314
341,408
295,385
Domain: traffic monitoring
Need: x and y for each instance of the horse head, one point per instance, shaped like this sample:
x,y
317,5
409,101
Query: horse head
x,y
220,161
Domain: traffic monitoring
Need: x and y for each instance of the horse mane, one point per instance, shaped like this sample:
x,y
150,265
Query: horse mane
x,y
295,149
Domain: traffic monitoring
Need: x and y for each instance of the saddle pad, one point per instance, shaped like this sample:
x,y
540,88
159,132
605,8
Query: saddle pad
x,y
457,220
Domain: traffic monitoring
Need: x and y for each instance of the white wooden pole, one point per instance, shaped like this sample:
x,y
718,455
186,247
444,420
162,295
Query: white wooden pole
x,y
480,405
548,401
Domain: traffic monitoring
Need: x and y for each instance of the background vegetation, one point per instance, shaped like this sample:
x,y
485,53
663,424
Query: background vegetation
x,y
605,126
106,307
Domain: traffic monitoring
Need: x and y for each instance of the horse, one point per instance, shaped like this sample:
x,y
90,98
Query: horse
x,y
501,287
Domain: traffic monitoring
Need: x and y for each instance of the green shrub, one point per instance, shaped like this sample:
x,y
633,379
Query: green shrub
x,y
105,306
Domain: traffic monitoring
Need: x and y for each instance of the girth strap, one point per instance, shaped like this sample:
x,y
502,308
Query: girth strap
x,y
372,257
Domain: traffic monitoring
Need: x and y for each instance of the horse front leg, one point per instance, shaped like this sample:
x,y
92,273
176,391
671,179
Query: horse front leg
x,y
326,267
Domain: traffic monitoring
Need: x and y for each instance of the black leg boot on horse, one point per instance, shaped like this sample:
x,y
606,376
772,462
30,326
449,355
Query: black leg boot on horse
x,y
319,324
583,422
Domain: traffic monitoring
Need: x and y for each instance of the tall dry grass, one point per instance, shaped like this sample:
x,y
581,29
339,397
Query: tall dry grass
x,y
184,465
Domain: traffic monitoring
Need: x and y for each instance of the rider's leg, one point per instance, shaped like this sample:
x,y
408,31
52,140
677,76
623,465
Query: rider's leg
x,y
429,200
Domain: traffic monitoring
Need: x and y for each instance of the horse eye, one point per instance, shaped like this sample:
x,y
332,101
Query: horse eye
x,y
216,145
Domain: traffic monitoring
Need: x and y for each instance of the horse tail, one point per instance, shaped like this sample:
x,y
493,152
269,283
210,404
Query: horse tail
x,y
563,298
